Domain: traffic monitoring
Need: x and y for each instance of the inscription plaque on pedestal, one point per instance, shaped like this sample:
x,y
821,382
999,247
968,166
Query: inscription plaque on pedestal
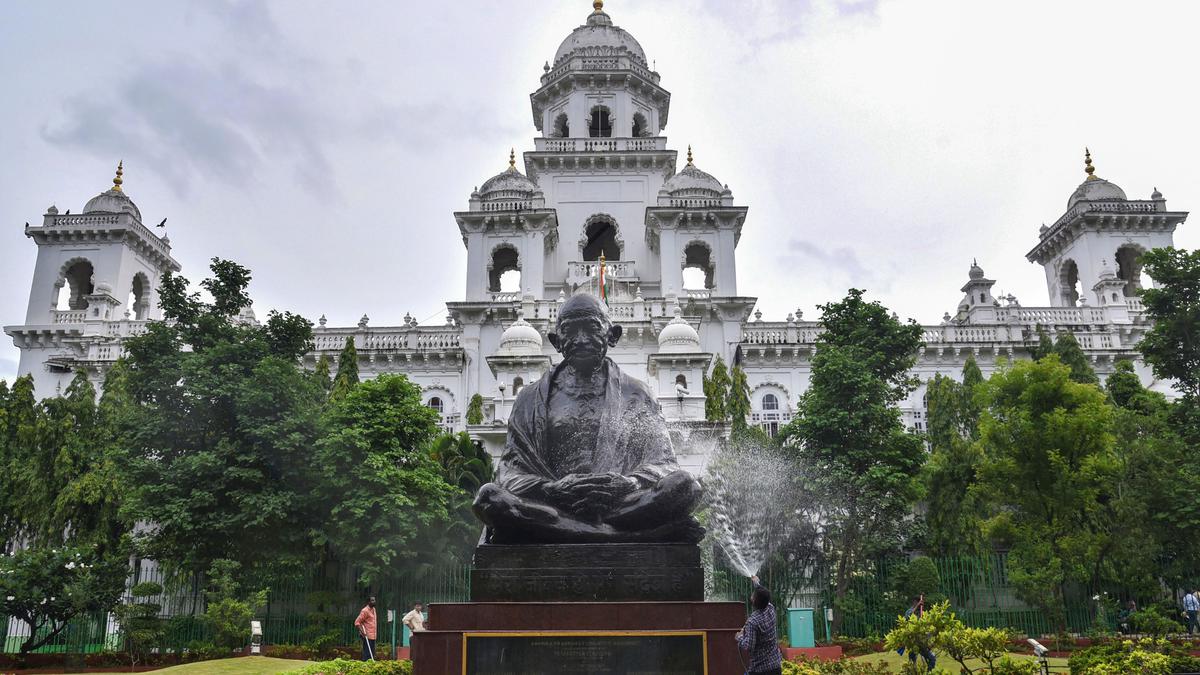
x,y
591,652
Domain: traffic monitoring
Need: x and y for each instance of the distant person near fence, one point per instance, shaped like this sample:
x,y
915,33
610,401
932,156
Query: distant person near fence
x,y
758,637
1191,607
415,620
366,625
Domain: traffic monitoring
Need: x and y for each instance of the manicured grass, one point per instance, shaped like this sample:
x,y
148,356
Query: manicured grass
x,y
895,660
243,665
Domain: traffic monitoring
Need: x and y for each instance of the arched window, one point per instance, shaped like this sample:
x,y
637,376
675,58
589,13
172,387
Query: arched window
x,y
517,384
698,266
1068,279
639,125
561,128
770,402
139,297
504,272
76,285
599,123
1129,269
601,233
436,404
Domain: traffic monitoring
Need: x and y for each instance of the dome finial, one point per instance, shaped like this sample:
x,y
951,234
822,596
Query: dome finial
x,y
1087,165
117,180
598,6
512,159
690,155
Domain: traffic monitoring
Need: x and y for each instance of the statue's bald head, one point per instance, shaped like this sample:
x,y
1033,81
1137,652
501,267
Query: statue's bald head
x,y
584,331
582,305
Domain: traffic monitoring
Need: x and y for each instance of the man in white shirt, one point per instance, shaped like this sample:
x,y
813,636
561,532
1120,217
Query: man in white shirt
x,y
1191,607
415,620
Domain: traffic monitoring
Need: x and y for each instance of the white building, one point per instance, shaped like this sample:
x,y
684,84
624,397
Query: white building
x,y
601,184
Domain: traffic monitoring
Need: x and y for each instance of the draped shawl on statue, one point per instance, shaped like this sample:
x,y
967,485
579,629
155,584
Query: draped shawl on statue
x,y
633,438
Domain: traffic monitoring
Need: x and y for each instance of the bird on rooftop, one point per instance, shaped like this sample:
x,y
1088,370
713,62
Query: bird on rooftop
x,y
67,213
163,223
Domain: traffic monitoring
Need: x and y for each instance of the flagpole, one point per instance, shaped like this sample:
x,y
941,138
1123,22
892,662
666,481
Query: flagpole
x,y
603,292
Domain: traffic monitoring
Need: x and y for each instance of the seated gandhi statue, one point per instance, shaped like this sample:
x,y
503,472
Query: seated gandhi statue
x,y
588,456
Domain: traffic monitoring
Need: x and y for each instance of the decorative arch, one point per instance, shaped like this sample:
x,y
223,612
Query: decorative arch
x,y
601,234
698,254
77,274
139,296
442,394
770,407
1068,282
1128,259
562,127
640,128
762,389
505,257
600,121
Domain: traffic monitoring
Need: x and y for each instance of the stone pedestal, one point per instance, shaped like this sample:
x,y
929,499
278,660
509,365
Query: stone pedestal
x,y
587,573
615,638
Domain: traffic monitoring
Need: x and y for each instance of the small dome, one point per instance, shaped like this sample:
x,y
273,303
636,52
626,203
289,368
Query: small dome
x,y
678,337
104,288
1106,272
1156,194
976,272
509,185
599,37
114,200
1095,190
692,182
520,339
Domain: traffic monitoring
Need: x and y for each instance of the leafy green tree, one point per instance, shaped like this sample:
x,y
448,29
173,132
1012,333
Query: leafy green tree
x,y
347,371
321,372
1045,345
716,393
223,425
1048,464
955,510
141,628
466,466
1172,345
1071,355
228,611
738,403
382,491
848,431
475,410
46,588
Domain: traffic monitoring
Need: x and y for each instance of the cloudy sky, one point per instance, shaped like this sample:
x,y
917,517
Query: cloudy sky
x,y
879,144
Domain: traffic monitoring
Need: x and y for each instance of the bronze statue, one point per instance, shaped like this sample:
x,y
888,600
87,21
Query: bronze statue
x,y
588,456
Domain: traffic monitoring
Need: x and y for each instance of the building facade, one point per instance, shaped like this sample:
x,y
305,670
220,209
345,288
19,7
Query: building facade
x,y
602,205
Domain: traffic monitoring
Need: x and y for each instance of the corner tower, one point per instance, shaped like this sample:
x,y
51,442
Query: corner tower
x,y
1101,229
95,281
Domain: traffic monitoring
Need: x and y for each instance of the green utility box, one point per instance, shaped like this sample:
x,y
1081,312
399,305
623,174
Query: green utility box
x,y
800,627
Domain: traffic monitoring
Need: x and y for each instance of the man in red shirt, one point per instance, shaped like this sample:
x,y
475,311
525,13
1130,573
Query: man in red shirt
x,y
365,623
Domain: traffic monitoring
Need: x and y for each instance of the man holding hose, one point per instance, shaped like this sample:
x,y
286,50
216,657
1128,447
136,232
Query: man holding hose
x,y
759,637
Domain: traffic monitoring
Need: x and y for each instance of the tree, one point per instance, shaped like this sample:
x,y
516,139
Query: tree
x,y
1045,345
954,512
1071,355
475,410
347,371
382,492
1048,464
46,588
223,425
465,465
141,628
738,403
228,611
716,393
321,372
848,431
1172,345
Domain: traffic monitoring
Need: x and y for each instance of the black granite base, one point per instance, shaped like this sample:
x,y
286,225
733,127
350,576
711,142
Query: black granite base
x,y
587,572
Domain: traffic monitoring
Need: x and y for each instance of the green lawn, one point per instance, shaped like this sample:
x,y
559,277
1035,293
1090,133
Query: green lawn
x,y
895,660
245,665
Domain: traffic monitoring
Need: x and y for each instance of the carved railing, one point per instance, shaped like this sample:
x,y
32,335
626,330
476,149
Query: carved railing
x,y
580,271
1136,206
69,315
600,144
417,338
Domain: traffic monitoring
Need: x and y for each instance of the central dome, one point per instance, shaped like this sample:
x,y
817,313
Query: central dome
x,y
599,37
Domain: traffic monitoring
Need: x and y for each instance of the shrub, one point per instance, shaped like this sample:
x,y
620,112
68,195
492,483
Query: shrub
x,y
228,614
141,628
1144,657
352,667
